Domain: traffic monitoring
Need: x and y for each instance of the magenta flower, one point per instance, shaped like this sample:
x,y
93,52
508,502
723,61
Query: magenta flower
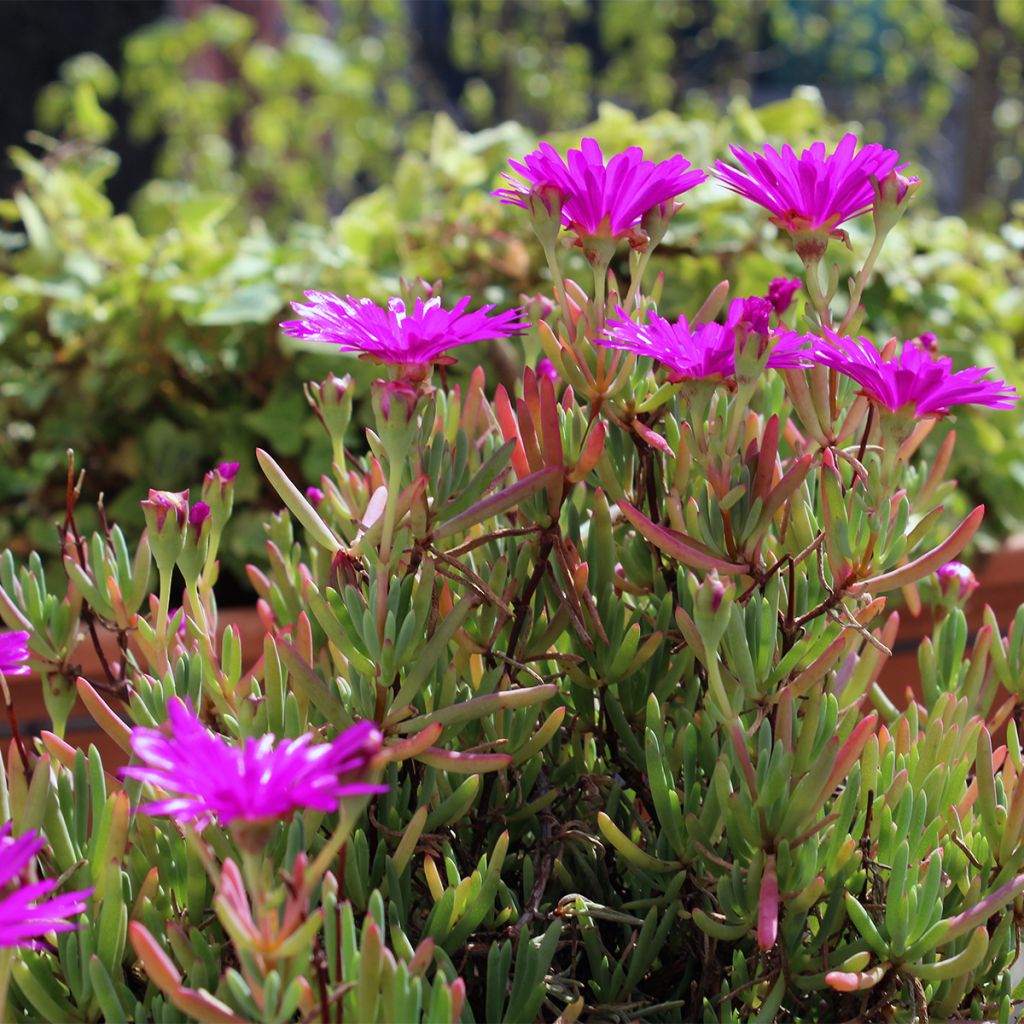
x,y
600,199
409,340
814,192
253,784
25,916
914,382
14,653
314,496
781,292
703,352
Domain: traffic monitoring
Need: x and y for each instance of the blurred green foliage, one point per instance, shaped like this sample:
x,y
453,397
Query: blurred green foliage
x,y
147,339
287,110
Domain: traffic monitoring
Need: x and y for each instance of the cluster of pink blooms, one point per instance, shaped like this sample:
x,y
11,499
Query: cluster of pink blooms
x,y
257,783
814,193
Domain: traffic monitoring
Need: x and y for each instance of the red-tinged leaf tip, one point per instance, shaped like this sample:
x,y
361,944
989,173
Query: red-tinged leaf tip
x,y
652,437
768,907
157,963
929,561
678,545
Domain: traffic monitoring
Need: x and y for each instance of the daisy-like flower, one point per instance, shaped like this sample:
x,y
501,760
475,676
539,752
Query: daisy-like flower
x,y
704,352
14,653
913,382
601,199
815,192
256,784
26,916
412,340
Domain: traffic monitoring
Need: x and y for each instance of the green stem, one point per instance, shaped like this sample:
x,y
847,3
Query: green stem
x,y
163,607
206,576
600,283
255,882
198,609
390,509
739,407
818,300
386,538
6,962
716,688
636,278
556,276
861,282
347,816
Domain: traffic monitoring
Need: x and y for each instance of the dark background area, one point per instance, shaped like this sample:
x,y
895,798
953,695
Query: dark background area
x,y
38,36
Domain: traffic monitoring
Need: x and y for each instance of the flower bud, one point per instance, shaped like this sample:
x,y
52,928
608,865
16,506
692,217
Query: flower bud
x,y
314,496
656,221
751,320
394,402
219,493
544,204
418,288
781,292
346,571
928,342
711,608
956,583
166,515
537,307
331,400
197,542
892,194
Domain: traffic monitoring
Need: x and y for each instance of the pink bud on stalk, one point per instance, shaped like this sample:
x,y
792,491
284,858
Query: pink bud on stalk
x,y
166,515
956,582
161,504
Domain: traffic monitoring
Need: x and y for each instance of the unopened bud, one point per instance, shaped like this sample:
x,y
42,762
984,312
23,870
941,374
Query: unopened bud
x,y
331,400
892,195
197,542
394,401
219,493
544,204
166,515
781,292
711,608
657,219
956,583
